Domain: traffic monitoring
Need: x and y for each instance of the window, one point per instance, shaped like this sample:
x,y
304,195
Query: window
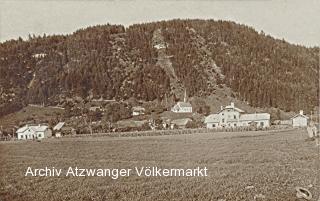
x,y
39,135
222,120
235,125
213,125
261,124
234,116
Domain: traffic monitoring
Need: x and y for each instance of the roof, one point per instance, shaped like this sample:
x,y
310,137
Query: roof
x,y
212,118
58,126
255,116
299,115
234,108
35,128
184,104
181,122
39,128
138,108
231,106
22,129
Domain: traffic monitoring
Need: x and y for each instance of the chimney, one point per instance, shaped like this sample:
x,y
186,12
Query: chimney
x,y
232,104
301,112
221,107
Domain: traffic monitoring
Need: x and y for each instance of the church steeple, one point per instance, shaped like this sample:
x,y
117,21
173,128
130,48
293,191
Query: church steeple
x,y
185,96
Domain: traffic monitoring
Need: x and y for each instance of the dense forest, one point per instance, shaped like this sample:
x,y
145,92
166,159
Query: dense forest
x,y
114,62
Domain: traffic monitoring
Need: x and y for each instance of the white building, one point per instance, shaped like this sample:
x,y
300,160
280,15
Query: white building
x,y
138,110
231,116
182,107
300,120
33,132
262,120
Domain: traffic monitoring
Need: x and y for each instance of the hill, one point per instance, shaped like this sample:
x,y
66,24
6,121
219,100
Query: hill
x,y
158,61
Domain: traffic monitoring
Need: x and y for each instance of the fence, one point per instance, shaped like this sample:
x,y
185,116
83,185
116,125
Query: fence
x,y
165,132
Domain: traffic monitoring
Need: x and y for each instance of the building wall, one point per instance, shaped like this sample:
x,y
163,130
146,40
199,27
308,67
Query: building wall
x,y
228,118
260,123
299,122
26,135
30,135
212,125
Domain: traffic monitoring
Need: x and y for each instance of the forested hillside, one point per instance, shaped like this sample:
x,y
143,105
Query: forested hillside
x,y
156,61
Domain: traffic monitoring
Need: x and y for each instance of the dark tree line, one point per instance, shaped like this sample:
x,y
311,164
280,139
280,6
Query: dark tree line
x,y
114,62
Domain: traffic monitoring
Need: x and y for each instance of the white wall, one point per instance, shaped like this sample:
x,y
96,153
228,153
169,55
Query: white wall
x,y
299,121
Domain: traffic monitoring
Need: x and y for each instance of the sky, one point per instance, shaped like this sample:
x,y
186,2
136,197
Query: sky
x,y
296,21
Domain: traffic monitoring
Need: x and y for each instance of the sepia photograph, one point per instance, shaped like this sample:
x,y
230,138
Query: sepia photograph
x,y
178,100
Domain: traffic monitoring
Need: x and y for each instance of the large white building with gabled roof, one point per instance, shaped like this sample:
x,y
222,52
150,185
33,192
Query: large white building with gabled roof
x,y
231,116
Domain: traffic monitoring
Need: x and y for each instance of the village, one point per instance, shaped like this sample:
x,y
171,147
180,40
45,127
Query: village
x,y
180,117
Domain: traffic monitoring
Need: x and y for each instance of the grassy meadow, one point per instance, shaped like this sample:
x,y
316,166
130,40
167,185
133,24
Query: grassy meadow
x,y
256,165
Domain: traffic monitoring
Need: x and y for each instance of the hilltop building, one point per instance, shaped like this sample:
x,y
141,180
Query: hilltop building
x,y
300,120
30,132
231,116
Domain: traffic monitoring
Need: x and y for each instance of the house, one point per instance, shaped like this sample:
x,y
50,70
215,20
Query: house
x,y
231,116
300,120
138,110
261,120
179,123
182,107
57,129
30,132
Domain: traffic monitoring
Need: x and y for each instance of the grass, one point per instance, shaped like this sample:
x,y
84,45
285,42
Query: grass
x,y
28,113
273,162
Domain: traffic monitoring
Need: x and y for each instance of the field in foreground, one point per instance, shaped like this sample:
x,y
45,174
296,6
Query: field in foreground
x,y
265,165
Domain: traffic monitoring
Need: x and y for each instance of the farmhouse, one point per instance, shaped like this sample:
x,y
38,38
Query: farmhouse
x,y
33,132
300,120
138,110
231,116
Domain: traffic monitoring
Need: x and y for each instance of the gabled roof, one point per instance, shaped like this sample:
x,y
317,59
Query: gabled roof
x,y
301,115
22,129
35,128
58,126
181,122
212,118
138,109
39,128
255,116
232,108
184,104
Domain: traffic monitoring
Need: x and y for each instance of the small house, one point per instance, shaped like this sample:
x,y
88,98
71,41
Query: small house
x,y
138,110
300,120
31,132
